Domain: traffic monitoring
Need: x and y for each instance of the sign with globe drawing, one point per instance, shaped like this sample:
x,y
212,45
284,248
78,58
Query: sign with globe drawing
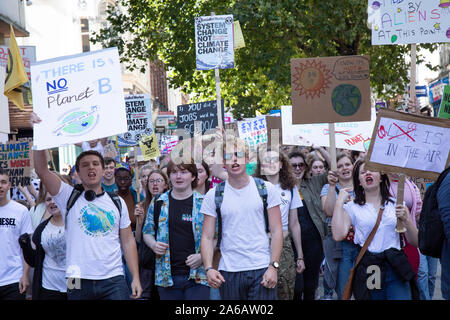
x,y
330,89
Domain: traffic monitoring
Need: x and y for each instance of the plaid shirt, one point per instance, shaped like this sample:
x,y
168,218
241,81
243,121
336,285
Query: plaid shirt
x,y
163,277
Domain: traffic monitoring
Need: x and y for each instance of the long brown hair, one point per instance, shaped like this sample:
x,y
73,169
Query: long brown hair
x,y
360,196
286,176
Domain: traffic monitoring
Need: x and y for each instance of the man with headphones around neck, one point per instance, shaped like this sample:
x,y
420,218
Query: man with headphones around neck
x,y
96,232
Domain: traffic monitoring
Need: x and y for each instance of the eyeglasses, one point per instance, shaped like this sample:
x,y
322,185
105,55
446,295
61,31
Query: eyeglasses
x,y
158,181
298,165
229,156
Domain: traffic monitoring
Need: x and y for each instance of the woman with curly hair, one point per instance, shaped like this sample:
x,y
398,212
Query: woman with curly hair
x,y
274,166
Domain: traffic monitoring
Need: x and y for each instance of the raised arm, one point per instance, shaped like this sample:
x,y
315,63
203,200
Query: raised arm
x,y
50,180
341,221
329,200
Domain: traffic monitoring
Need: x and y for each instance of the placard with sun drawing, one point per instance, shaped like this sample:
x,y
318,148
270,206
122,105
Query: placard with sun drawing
x,y
330,89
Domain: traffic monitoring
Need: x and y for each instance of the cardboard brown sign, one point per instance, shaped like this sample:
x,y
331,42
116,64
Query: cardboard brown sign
x,y
410,144
331,89
274,123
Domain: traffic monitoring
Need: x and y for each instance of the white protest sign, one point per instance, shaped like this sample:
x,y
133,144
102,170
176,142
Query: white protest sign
x,y
4,107
214,42
349,135
413,145
404,22
139,120
167,143
79,98
253,131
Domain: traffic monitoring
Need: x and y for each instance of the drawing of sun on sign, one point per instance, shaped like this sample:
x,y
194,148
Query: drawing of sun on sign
x,y
77,122
311,79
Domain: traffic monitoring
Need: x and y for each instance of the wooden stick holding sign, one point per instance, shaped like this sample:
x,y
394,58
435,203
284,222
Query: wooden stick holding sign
x,y
332,138
400,227
136,173
218,95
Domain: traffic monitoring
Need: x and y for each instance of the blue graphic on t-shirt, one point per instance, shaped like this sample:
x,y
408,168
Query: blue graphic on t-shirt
x,y
96,221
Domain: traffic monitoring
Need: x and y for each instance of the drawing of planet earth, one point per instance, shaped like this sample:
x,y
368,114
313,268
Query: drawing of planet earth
x,y
346,99
78,126
96,221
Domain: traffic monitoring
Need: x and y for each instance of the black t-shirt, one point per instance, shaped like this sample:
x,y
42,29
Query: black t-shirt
x,y
181,236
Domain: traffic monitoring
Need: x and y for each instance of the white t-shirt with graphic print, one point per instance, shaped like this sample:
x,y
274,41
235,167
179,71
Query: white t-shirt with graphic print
x,y
92,235
14,221
288,203
245,243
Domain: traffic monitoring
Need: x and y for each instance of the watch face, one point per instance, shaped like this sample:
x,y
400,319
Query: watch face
x,y
276,264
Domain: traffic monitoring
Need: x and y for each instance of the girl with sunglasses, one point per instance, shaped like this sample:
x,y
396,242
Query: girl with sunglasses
x,y
274,166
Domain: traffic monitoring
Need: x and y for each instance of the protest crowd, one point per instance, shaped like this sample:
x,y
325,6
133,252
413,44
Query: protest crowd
x,y
265,232
304,205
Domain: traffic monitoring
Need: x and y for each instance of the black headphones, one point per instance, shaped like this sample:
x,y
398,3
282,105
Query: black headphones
x,y
89,195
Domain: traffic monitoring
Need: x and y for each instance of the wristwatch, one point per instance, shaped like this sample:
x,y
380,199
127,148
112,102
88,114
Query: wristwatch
x,y
275,264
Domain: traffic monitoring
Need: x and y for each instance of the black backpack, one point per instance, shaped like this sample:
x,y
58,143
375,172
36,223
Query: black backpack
x,y
146,254
431,229
78,190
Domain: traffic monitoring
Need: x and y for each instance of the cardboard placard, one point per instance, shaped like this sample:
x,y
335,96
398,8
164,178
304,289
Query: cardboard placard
x,y
15,157
444,110
79,98
409,22
274,123
331,89
139,120
409,144
214,42
149,147
206,112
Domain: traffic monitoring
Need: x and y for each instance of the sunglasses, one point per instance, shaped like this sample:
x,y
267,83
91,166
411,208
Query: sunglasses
x,y
298,165
229,156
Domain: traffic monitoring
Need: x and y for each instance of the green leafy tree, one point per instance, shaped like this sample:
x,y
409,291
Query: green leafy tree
x,y
275,31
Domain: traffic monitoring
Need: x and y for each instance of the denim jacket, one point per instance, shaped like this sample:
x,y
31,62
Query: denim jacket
x,y
163,277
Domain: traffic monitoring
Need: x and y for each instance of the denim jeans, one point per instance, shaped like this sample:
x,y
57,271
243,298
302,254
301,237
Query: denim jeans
x,y
349,253
184,289
393,288
214,294
426,277
11,292
114,288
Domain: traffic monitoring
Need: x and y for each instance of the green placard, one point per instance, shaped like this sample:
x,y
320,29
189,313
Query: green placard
x,y
444,110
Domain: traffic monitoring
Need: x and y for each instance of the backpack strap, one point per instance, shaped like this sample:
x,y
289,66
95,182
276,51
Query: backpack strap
x,y
156,213
218,199
262,189
76,193
115,198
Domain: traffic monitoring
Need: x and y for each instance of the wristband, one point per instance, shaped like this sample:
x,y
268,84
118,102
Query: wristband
x,y
207,269
300,259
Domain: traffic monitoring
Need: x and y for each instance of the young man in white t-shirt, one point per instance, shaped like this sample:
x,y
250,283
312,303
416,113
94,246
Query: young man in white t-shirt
x,y
14,221
96,232
248,267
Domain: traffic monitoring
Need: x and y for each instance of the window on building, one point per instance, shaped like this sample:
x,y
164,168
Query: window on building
x,y
86,46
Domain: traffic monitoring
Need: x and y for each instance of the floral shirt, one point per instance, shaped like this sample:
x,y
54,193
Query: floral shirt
x,y
163,277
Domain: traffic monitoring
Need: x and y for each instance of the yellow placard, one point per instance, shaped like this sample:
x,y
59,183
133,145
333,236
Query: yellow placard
x,y
149,147
238,37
